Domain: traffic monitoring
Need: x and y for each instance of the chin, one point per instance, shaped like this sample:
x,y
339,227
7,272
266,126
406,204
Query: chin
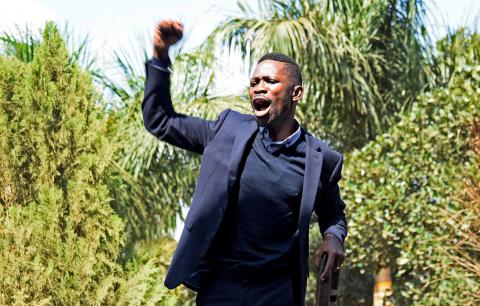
x,y
262,122
270,120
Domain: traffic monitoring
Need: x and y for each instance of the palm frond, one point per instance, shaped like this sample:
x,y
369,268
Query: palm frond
x,y
361,67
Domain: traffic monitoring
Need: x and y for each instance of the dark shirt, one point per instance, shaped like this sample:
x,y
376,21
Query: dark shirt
x,y
259,233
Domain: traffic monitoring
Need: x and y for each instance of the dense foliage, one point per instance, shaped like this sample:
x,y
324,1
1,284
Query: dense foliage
x,y
407,187
466,251
59,237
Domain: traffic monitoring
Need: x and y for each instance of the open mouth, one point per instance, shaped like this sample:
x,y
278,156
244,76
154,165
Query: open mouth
x,y
261,106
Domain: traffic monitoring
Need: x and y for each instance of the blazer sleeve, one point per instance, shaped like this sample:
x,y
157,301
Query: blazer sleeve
x,y
160,119
330,208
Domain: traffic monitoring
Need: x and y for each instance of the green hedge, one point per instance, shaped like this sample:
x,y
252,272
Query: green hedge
x,y
403,189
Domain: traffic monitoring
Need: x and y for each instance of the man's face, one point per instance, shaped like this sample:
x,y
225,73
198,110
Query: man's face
x,y
271,88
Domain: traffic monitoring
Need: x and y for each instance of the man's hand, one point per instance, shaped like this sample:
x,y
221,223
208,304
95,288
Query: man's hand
x,y
167,33
331,246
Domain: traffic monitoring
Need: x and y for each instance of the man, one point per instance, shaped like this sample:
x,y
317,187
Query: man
x,y
245,240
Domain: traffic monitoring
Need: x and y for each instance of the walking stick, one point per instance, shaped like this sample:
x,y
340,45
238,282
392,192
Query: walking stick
x,y
326,290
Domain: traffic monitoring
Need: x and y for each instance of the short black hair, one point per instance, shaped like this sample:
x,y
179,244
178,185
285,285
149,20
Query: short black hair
x,y
292,66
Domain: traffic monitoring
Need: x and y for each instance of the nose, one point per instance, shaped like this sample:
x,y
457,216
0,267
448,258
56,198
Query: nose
x,y
259,88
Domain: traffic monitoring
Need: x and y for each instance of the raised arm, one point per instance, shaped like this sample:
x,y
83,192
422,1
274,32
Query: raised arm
x,y
159,116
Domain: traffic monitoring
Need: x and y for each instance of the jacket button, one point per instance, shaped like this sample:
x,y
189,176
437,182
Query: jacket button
x,y
208,238
222,210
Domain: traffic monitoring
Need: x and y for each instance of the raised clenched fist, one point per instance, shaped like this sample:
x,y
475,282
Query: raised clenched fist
x,y
167,33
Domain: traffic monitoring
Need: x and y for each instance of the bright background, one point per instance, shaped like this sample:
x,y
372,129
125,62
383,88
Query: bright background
x,y
111,24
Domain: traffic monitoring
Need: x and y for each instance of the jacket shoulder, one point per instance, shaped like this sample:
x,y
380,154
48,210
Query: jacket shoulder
x,y
331,159
330,156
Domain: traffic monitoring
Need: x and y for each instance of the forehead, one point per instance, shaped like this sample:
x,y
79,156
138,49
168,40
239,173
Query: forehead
x,y
270,68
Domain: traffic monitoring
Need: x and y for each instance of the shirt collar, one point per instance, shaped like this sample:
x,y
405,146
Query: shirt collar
x,y
274,146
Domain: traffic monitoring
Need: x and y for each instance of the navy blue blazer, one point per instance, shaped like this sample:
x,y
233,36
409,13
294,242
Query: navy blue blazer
x,y
222,143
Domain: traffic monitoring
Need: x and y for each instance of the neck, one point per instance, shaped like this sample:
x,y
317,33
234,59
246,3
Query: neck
x,y
281,132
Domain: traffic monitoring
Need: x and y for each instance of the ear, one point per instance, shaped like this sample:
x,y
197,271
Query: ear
x,y
297,93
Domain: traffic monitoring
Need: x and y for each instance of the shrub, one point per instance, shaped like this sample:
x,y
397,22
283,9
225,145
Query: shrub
x,y
404,188
60,239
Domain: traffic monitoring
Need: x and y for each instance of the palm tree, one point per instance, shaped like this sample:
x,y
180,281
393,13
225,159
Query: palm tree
x,y
363,61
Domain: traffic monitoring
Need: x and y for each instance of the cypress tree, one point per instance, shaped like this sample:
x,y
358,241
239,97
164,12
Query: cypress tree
x,y
59,237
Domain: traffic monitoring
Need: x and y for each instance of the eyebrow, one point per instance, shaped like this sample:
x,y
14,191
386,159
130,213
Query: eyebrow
x,y
265,76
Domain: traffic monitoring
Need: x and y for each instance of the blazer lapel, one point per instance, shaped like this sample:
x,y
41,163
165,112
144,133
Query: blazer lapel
x,y
311,181
246,131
